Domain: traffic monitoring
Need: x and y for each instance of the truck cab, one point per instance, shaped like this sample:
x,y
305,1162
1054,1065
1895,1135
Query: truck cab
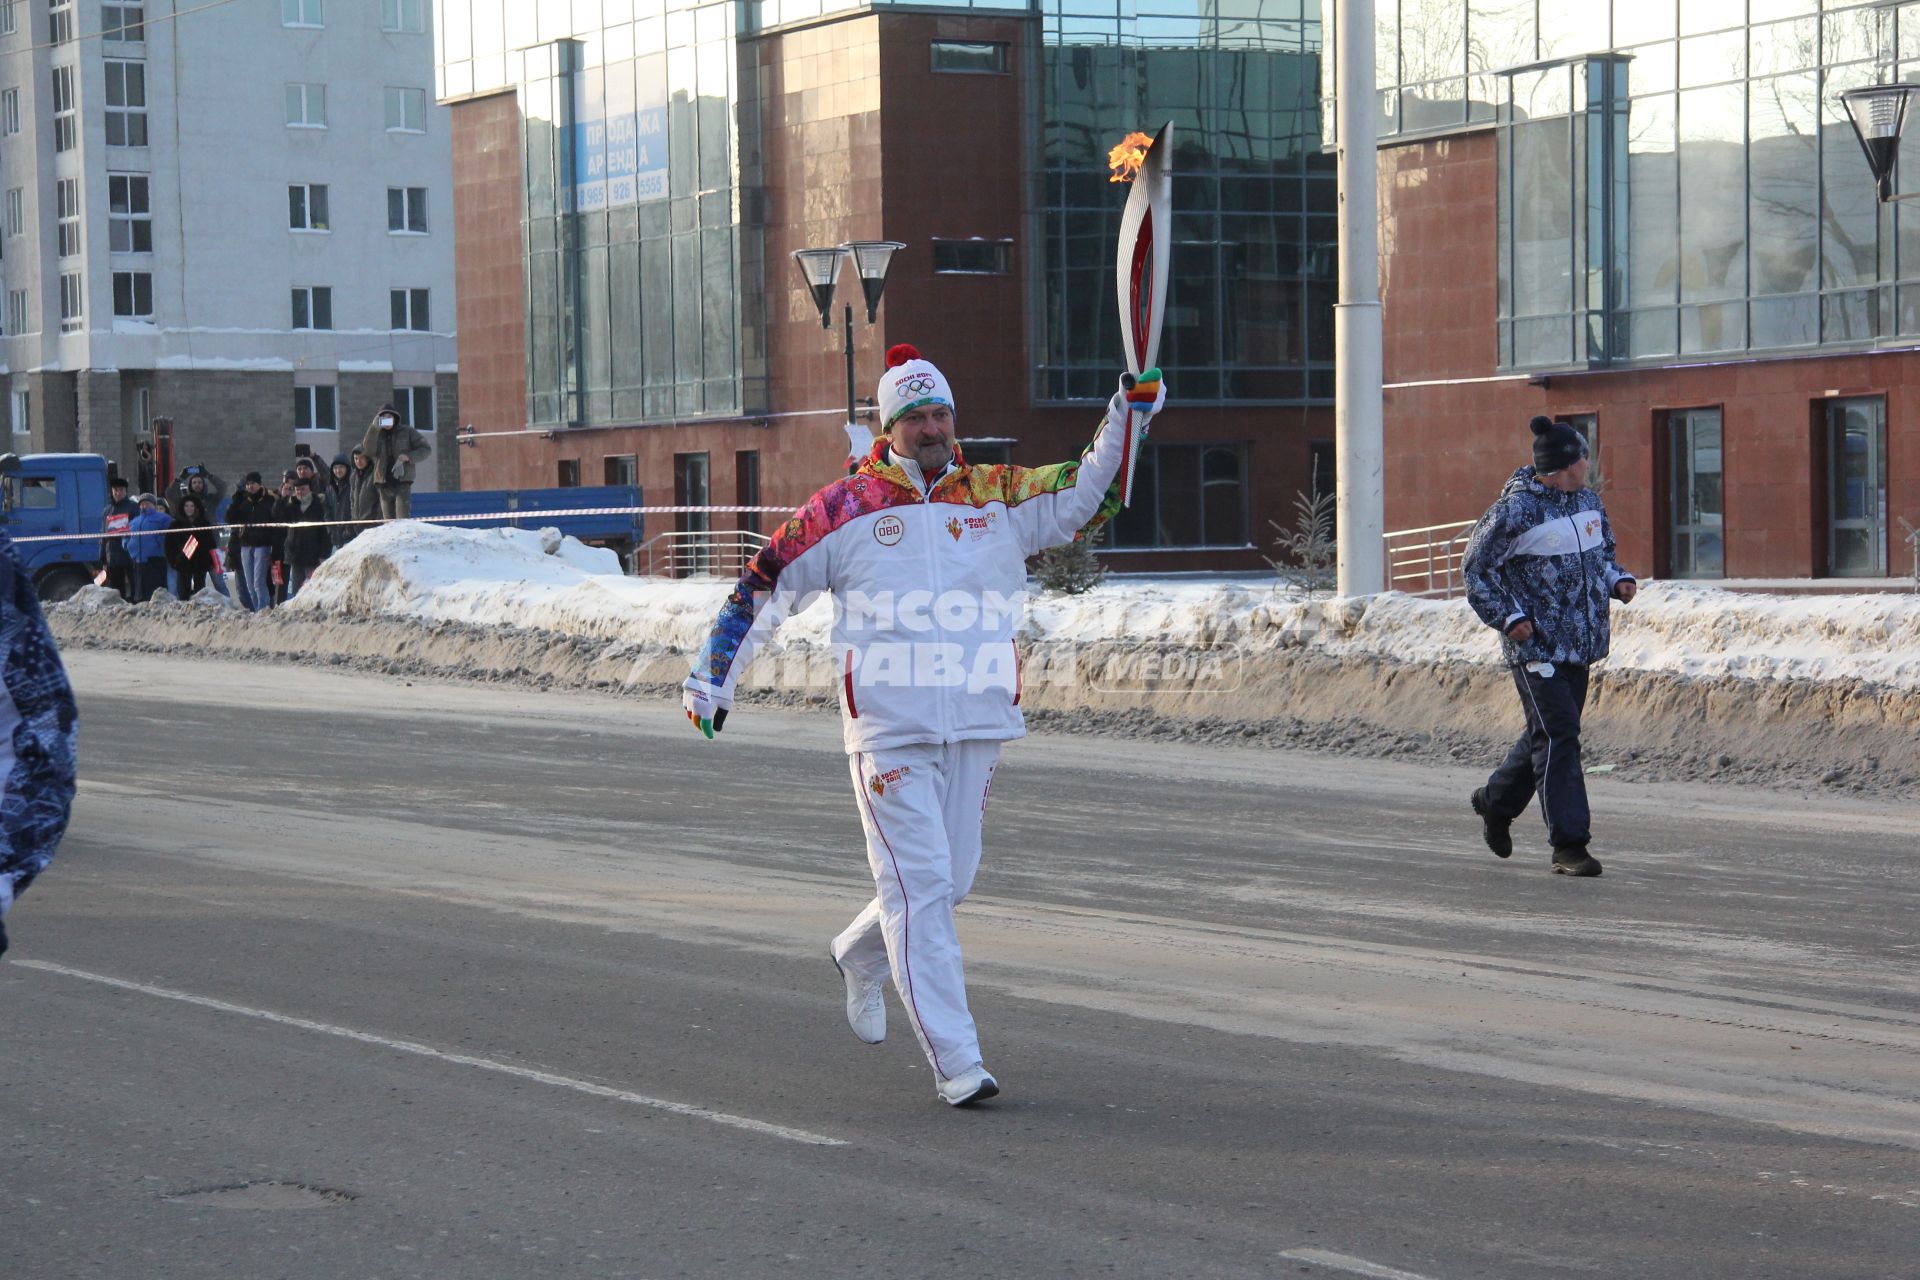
x,y
46,494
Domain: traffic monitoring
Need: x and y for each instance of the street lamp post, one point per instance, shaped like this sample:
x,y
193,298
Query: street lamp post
x,y
1359,468
821,270
1878,114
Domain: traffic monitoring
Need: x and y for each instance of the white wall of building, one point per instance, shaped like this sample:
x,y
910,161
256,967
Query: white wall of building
x,y
219,160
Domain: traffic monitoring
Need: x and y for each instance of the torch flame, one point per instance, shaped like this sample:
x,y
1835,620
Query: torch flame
x,y
1125,160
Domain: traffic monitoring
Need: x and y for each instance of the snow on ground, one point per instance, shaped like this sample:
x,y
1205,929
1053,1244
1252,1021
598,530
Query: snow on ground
x,y
540,580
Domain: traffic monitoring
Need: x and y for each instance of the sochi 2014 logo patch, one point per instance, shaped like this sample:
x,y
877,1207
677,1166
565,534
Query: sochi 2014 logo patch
x,y
954,528
888,530
895,778
918,385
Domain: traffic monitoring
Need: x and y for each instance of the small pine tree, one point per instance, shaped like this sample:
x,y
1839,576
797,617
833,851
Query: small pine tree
x,y
1069,569
1311,552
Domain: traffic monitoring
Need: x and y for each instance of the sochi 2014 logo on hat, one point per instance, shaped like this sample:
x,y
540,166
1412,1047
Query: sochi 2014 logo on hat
x,y
918,386
888,530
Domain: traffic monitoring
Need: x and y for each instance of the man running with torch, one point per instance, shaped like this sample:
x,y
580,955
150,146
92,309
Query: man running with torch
x,y
925,558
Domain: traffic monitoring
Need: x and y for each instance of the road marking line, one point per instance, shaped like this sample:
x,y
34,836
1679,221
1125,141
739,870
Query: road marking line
x,y
459,1059
1354,1266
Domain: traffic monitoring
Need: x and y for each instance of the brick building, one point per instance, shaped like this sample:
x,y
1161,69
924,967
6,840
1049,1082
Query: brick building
x,y
1654,220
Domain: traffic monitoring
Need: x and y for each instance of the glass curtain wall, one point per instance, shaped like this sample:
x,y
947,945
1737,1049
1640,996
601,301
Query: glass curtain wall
x,y
1751,222
1250,312
636,250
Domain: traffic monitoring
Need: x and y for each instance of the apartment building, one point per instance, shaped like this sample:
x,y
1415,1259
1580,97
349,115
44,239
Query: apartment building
x,y
235,217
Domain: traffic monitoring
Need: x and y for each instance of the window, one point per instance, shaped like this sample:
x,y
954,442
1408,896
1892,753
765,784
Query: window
x,y
413,407
65,132
59,22
130,217
1696,508
301,13
621,470
22,403
1186,495
409,308
975,57
406,110
1857,487
66,195
10,112
19,318
314,409
34,493
16,211
123,22
407,209
313,307
126,103
403,15
8,23
72,302
973,257
1561,224
306,106
133,294
307,207
569,473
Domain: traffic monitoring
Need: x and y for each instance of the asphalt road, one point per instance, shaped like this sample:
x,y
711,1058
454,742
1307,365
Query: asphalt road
x,y
339,976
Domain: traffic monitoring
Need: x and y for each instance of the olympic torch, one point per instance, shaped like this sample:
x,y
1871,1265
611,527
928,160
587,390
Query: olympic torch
x,y
1146,246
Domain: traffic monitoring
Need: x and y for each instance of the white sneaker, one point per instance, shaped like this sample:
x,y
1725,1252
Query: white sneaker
x,y
971,1085
866,1004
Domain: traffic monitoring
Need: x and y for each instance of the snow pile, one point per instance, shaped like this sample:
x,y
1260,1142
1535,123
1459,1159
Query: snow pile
x,y
537,580
517,578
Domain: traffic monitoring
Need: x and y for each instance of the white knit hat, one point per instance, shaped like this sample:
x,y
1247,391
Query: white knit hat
x,y
909,383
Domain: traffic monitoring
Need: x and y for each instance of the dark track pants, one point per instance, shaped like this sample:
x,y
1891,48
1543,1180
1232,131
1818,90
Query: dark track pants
x,y
1546,759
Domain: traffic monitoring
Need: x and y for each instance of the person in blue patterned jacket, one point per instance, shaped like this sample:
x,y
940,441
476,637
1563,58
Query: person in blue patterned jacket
x,y
39,737
1540,570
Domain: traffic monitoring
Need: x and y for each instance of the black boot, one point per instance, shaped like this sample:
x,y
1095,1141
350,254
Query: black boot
x,y
1493,830
1575,861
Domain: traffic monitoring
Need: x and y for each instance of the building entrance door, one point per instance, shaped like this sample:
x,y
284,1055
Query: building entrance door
x,y
1697,503
1857,493
690,489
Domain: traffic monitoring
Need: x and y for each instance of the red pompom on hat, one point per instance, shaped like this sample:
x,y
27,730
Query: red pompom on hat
x,y
901,353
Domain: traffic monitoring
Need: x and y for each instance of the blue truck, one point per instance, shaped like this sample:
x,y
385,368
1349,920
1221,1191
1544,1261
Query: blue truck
x,y
48,494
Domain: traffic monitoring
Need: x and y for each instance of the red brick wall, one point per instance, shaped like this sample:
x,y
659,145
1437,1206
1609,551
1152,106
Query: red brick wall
x,y
1450,447
489,279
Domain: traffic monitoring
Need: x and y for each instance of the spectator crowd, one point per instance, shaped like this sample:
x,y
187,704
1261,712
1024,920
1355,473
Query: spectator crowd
x,y
278,536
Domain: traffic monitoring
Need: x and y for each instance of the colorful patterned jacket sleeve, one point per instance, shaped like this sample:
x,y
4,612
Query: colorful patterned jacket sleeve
x,y
782,578
42,723
1063,501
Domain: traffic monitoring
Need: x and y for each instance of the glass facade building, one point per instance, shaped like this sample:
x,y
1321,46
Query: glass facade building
x,y
642,272
1251,312
644,262
1678,180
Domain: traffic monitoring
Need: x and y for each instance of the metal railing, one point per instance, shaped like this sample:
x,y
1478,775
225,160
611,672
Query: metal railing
x,y
1429,561
690,553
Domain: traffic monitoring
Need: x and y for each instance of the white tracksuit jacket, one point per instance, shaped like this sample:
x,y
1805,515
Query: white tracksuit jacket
x,y
927,587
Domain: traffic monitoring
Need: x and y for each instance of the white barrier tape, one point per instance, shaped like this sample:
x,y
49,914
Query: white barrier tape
x,y
103,535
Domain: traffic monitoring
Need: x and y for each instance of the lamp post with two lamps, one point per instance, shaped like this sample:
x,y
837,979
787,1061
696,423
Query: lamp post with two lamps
x,y
821,270
1878,114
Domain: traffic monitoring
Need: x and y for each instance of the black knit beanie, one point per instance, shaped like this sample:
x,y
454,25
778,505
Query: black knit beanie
x,y
1556,446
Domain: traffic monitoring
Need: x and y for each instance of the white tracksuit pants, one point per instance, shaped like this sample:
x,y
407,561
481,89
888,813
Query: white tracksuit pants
x,y
922,807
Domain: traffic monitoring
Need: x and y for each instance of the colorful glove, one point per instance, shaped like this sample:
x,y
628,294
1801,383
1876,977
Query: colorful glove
x,y
1143,396
706,706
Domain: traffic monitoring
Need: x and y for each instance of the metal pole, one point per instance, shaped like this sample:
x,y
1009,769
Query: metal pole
x,y
850,407
1358,371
